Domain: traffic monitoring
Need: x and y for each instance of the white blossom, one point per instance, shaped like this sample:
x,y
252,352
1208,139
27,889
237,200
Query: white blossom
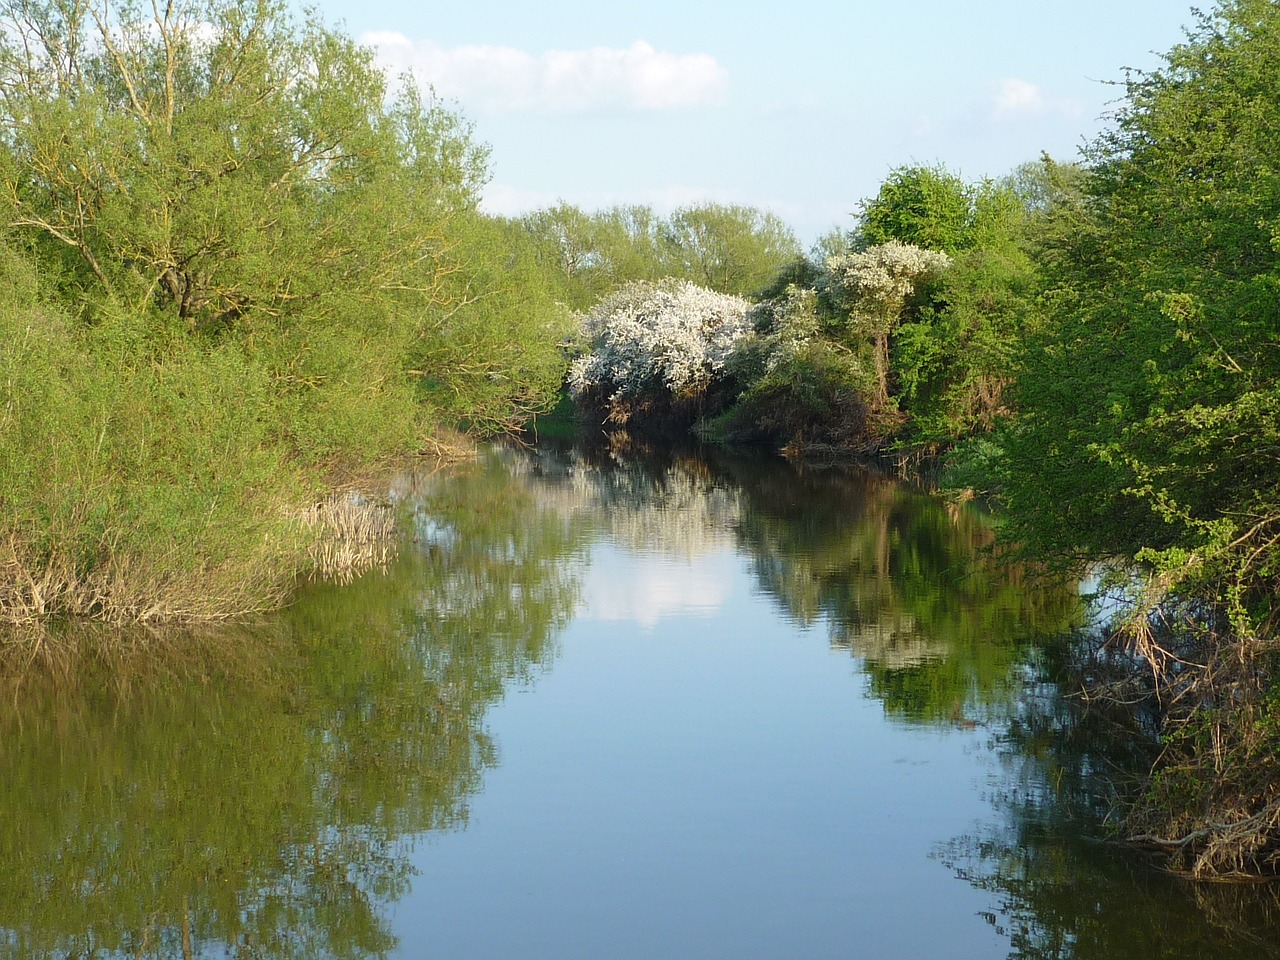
x,y
671,334
789,324
878,282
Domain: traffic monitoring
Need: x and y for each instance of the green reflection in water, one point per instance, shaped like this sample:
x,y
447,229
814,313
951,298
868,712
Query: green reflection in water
x,y
1061,893
257,791
904,581
165,796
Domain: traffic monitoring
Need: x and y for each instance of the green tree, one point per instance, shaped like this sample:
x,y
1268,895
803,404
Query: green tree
x,y
567,243
728,248
500,359
953,362
589,255
240,265
1148,417
927,207
878,285
183,156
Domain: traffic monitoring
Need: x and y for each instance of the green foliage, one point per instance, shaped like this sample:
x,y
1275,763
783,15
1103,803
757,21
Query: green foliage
x,y
927,207
937,332
253,266
1149,404
500,358
879,288
138,477
181,158
953,364
1148,410
818,393
729,249
800,386
586,256
267,805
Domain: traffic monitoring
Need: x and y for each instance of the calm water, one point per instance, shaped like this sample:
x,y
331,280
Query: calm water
x,y
607,704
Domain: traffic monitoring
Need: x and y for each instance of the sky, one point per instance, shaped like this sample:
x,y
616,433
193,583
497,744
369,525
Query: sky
x,y
802,112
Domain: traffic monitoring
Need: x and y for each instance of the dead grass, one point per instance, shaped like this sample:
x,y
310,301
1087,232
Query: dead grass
x,y
352,535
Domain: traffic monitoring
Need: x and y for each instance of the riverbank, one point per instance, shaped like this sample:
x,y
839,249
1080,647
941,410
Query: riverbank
x,y
148,475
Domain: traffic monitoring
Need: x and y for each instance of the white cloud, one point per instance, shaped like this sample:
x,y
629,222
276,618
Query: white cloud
x,y
1013,99
504,79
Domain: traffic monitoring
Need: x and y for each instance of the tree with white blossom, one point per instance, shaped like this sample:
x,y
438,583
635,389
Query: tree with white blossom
x,y
657,342
876,285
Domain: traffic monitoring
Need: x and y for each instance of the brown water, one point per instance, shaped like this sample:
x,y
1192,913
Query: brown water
x,y
606,704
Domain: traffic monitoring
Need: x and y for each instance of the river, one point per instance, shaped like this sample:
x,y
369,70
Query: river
x,y
608,702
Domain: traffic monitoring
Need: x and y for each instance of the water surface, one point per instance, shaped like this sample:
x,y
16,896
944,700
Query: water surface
x,y
609,702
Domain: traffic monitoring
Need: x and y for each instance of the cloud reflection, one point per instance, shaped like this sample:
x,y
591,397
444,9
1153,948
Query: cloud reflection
x,y
645,589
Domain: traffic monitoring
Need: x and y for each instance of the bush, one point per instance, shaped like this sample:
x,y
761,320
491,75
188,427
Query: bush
x,y
817,394
135,488
659,347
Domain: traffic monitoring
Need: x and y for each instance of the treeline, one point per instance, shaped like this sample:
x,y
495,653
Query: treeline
x,y
1146,426
728,248
897,334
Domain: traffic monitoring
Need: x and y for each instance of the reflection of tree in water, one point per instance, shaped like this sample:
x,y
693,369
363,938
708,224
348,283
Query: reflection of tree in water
x,y
662,501
1061,894
255,791
905,582
908,584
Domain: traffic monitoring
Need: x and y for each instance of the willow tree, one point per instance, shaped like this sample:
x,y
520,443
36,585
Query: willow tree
x,y
222,159
252,260
728,248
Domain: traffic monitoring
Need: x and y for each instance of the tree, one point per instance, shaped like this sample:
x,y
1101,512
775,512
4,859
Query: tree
x,y
660,343
1148,418
592,254
501,359
927,207
878,284
567,243
183,156
731,249
954,362
249,266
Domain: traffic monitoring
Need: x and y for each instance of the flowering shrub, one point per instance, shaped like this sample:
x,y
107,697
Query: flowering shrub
x,y
788,324
878,283
657,341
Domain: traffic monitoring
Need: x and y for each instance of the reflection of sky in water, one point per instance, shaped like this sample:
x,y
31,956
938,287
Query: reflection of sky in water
x,y
698,777
644,588
704,773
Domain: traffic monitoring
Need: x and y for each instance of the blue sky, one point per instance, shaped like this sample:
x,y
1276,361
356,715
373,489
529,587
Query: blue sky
x,y
802,112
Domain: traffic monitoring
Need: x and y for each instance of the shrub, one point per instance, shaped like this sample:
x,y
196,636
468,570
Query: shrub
x,y
660,346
